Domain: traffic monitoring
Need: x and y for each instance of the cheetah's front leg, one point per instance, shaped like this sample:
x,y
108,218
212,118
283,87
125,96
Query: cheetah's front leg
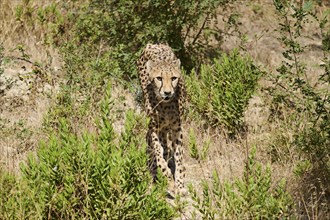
x,y
158,152
178,159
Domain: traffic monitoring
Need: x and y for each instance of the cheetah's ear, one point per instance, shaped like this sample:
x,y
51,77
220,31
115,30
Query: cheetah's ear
x,y
177,63
150,65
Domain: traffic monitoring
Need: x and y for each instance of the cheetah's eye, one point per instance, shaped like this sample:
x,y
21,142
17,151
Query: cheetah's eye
x,y
159,78
174,78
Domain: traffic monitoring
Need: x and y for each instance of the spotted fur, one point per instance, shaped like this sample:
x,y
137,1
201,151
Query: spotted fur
x,y
163,90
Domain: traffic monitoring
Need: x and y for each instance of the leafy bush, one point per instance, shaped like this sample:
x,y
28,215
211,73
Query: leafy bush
x,y
127,26
88,176
221,91
251,197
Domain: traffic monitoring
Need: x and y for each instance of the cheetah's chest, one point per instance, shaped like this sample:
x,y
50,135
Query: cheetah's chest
x,y
166,114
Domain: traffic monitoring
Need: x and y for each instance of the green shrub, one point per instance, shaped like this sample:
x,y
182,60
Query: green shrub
x,y
222,90
252,197
8,200
91,176
125,27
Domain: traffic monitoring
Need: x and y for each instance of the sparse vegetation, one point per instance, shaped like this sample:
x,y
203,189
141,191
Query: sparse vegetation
x,y
196,152
89,160
308,102
249,197
311,101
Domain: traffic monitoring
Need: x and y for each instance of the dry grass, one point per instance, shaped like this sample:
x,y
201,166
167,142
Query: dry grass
x,y
26,95
31,36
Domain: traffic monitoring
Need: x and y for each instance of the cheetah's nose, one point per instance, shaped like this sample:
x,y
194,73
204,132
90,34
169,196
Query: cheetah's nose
x,y
167,93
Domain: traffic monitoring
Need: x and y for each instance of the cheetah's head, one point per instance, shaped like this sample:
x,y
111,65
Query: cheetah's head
x,y
165,78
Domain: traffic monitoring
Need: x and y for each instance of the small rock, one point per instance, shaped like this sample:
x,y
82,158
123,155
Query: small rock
x,y
47,89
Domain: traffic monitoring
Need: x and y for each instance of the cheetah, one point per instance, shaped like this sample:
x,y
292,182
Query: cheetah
x,y
163,92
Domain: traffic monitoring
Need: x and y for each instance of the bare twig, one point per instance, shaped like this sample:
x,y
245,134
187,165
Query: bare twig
x,y
201,29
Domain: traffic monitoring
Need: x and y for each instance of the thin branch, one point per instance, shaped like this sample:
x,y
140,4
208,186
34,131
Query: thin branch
x,y
201,29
